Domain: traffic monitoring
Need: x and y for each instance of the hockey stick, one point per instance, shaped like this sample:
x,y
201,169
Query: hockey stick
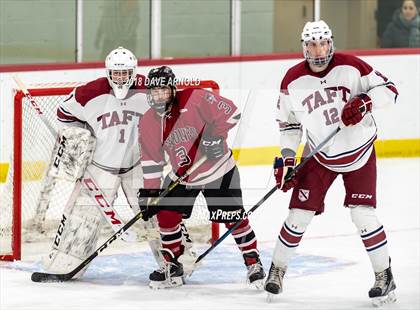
x,y
105,208
266,196
52,277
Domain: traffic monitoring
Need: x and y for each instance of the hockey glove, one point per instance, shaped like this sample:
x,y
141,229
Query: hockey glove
x,y
284,173
144,196
213,147
356,109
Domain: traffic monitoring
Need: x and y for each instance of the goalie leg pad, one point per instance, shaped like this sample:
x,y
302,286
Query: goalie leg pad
x,y
72,152
100,189
130,183
107,182
76,239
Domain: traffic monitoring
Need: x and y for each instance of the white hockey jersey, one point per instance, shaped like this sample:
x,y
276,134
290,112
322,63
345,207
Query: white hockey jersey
x,y
114,122
314,101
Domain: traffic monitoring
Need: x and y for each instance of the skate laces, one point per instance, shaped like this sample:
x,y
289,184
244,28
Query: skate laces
x,y
254,268
162,269
166,266
168,271
275,273
380,279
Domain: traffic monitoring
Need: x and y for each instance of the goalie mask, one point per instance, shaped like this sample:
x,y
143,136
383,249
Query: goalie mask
x,y
121,67
161,84
313,34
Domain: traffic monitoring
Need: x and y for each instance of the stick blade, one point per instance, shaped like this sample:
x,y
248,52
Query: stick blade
x,y
50,277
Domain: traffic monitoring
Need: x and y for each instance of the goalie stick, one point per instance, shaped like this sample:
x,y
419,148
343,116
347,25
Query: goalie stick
x,y
52,277
106,209
266,196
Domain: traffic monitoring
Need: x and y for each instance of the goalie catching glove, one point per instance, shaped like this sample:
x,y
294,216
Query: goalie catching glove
x,y
144,198
284,173
356,109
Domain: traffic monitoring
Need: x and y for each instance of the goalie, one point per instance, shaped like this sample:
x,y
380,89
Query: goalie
x,y
98,150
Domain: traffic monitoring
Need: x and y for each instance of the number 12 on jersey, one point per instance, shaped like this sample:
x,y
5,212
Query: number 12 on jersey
x,y
331,116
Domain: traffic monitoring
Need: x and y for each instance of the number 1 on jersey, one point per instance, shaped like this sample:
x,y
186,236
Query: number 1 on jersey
x,y
122,136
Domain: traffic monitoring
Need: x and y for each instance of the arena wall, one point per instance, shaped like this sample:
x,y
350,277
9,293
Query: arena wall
x,y
253,84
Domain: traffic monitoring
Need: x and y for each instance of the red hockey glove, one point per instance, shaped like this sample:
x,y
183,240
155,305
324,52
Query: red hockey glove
x,y
356,109
284,173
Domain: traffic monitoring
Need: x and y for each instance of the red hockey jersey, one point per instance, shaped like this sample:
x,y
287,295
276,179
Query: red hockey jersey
x,y
178,133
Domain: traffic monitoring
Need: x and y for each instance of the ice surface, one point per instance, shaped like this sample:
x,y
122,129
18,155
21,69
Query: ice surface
x,y
330,271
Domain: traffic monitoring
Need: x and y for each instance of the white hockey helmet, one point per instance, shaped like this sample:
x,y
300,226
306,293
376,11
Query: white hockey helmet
x,y
317,31
121,67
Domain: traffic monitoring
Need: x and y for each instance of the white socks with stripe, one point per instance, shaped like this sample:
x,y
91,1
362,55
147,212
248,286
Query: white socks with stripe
x,y
373,235
364,217
290,235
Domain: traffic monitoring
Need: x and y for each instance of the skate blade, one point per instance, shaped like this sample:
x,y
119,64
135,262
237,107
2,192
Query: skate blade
x,y
173,282
257,284
271,297
383,300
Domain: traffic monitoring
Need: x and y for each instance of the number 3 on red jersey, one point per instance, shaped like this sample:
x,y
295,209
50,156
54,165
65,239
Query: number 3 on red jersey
x,y
182,156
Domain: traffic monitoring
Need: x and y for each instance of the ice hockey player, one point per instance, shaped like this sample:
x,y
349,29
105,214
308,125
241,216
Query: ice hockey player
x,y
187,125
325,91
106,113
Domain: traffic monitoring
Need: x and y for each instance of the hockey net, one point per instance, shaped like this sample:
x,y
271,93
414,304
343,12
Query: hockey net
x,y
24,218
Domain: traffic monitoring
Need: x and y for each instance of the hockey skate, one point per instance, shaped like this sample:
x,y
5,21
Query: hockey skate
x,y
274,283
255,273
382,291
170,275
